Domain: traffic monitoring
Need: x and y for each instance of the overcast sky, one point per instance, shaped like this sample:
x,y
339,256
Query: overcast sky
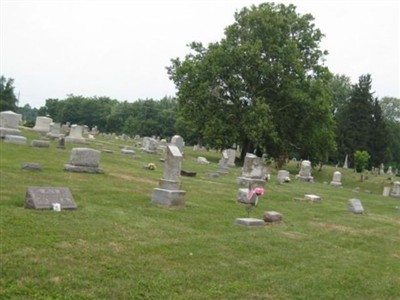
x,y
120,49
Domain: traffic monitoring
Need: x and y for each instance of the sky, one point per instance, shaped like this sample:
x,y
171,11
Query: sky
x,y
121,48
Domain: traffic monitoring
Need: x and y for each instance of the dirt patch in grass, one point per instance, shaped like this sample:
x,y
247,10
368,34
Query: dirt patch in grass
x,y
384,219
295,235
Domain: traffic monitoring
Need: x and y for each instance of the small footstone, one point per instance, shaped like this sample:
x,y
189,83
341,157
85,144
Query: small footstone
x,y
250,222
272,217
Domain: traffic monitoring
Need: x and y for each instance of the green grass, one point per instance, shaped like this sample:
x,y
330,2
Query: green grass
x,y
118,245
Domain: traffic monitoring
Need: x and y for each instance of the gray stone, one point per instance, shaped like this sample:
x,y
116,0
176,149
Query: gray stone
x,y
272,217
15,139
355,206
336,180
177,140
40,143
42,124
250,222
9,122
283,176
75,135
168,198
231,157
305,172
84,160
45,197
312,198
253,167
202,160
395,190
169,194
31,166
386,191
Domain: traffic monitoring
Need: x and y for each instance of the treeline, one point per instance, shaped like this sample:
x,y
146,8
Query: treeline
x,y
143,117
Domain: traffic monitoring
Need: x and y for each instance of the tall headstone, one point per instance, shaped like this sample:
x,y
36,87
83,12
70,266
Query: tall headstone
x,y
305,172
75,135
389,171
177,140
231,157
42,124
9,122
223,163
345,165
169,193
395,190
253,172
337,179
84,160
382,169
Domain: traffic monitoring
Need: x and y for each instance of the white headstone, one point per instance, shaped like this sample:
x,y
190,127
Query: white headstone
x,y
177,140
337,179
395,190
305,171
283,176
42,124
9,122
355,206
75,135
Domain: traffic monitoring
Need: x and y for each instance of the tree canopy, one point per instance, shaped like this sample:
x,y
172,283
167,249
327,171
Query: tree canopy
x,y
263,86
8,100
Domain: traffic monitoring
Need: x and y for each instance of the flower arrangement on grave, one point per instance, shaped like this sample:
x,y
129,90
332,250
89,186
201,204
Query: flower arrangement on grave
x,y
252,198
151,166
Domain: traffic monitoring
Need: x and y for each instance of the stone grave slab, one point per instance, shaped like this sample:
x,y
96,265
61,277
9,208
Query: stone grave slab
x,y
272,217
312,198
44,198
250,222
355,206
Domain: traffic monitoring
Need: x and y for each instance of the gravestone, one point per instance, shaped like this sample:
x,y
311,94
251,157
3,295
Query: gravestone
x,y
45,197
389,171
283,176
223,163
253,172
345,165
40,143
54,131
177,140
9,122
355,206
312,198
84,160
149,145
272,217
169,193
231,157
386,191
395,190
75,135
337,179
31,166
42,124
250,222
305,172
61,142
382,169
202,160
15,139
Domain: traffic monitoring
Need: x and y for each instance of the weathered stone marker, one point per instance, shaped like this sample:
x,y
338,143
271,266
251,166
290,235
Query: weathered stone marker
x,y
45,197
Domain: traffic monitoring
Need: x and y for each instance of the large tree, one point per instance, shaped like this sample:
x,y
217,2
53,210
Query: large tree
x,y
263,86
8,100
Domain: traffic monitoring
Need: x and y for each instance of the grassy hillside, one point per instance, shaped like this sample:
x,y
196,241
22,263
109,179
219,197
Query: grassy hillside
x,y
118,245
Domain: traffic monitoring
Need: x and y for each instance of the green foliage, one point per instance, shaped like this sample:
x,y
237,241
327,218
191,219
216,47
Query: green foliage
x,y
29,114
142,117
8,100
262,86
361,159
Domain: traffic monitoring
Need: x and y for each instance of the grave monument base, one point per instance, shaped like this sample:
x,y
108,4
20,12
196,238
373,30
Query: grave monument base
x,y
82,169
168,198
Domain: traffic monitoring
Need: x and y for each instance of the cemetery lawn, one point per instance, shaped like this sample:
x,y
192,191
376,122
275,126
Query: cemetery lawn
x,y
118,245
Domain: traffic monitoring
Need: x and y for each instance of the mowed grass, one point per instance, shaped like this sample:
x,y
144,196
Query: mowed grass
x,y
118,245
